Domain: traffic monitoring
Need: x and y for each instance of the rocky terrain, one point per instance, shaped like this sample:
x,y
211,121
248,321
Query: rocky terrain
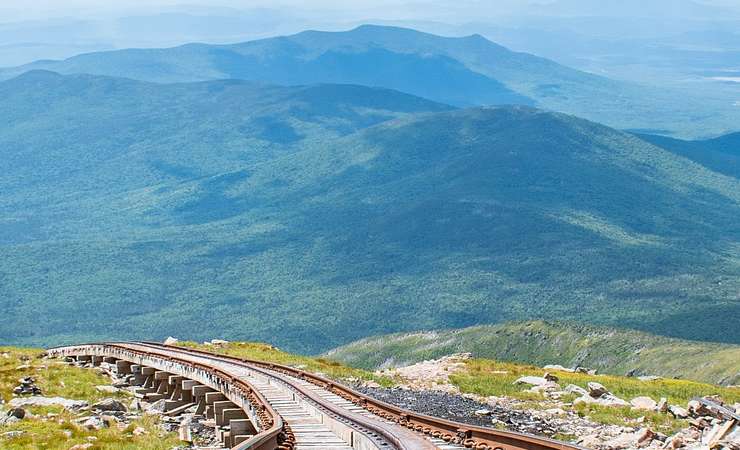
x,y
425,387
118,417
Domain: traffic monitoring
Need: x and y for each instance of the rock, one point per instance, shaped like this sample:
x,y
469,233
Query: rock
x,y
157,407
534,381
48,401
622,441
371,384
12,434
645,436
550,377
584,400
18,413
573,389
558,367
649,378
171,341
8,420
596,390
697,409
678,412
94,423
556,412
109,404
107,389
139,431
590,441
545,388
674,442
482,412
84,446
700,423
135,405
662,405
219,342
643,403
109,420
604,400
612,400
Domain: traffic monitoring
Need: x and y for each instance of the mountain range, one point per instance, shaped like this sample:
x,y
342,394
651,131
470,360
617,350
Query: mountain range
x,y
467,71
286,213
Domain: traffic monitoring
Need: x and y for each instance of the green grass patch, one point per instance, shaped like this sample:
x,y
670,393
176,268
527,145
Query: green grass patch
x,y
271,354
52,427
493,378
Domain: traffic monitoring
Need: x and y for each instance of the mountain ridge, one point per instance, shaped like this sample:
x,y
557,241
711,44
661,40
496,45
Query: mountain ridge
x,y
464,71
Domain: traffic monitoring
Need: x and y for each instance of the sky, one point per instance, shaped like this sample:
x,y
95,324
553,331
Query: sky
x,y
452,10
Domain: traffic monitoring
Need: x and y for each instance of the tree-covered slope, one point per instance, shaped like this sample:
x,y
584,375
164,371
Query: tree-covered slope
x,y
437,218
610,350
721,154
68,141
462,71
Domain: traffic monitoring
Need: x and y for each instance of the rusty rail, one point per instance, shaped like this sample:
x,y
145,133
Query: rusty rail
x,y
470,436
720,410
274,434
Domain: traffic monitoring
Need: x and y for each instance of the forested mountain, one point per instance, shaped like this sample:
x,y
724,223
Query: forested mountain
x,y
179,209
720,154
462,71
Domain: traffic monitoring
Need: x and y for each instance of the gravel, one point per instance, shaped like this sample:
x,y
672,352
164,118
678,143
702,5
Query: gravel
x,y
459,409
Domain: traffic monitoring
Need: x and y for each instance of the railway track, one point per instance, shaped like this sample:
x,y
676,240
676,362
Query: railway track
x,y
281,407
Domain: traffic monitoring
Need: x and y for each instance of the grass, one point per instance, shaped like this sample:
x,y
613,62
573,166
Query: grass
x,y
492,378
610,350
52,427
55,378
269,353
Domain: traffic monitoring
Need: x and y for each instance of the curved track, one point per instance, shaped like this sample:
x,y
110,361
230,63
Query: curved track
x,y
293,409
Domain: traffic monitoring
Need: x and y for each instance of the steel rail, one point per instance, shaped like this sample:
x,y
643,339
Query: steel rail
x,y
719,409
470,436
376,430
274,434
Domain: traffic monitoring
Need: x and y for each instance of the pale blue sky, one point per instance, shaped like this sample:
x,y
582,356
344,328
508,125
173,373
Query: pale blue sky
x,y
452,10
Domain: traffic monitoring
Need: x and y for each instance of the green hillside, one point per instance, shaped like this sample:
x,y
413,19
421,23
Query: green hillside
x,y
461,71
721,154
610,350
284,214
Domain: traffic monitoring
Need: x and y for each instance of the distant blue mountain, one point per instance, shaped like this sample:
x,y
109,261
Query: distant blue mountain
x,y
460,71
